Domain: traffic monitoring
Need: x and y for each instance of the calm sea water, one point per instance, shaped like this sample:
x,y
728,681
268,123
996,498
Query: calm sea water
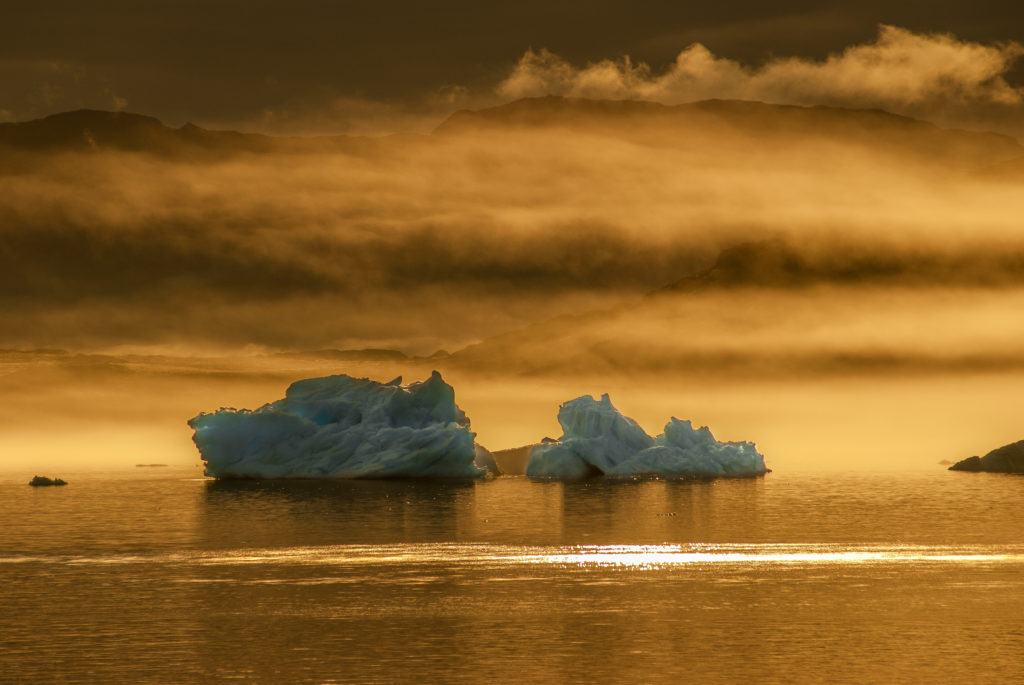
x,y
156,575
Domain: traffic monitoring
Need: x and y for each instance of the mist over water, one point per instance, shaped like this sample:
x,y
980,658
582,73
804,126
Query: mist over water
x,y
725,259
499,219
75,413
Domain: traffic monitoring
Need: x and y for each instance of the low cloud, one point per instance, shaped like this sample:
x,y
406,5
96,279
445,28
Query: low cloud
x,y
901,71
427,242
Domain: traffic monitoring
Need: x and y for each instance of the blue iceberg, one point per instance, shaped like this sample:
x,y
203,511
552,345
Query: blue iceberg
x,y
598,440
344,427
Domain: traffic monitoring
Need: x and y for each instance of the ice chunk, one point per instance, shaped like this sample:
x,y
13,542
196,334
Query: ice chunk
x,y
596,438
343,427
599,440
485,460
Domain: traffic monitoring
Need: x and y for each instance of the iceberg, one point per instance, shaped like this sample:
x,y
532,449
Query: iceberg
x,y
598,440
345,427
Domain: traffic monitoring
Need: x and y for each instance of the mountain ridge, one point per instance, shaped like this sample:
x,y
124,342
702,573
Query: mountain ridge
x,y
757,120
101,130
89,129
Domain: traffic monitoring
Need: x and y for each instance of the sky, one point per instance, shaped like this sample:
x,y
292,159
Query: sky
x,y
331,67
555,246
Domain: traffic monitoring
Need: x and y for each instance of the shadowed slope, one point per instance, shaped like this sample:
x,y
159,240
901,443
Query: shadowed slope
x,y
746,122
1005,459
87,130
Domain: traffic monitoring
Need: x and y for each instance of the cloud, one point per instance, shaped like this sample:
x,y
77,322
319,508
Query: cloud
x,y
427,242
900,70
936,77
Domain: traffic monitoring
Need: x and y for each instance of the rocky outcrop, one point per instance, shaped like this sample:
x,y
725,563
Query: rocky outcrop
x,y
40,481
1006,459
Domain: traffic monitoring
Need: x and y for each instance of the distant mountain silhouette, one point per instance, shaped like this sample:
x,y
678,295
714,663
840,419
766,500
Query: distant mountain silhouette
x,y
755,121
86,129
744,123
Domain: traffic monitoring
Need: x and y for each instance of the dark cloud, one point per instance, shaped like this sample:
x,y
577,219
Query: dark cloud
x,y
307,63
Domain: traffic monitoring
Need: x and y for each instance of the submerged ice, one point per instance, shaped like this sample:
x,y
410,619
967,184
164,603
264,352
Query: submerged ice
x,y
344,427
599,440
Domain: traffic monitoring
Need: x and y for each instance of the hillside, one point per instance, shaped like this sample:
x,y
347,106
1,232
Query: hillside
x,y
725,122
94,131
739,122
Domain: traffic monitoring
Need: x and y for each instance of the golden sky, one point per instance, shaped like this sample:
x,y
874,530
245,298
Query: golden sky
x,y
781,202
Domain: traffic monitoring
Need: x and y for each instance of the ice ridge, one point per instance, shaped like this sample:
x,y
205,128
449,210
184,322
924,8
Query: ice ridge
x,y
344,427
598,440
